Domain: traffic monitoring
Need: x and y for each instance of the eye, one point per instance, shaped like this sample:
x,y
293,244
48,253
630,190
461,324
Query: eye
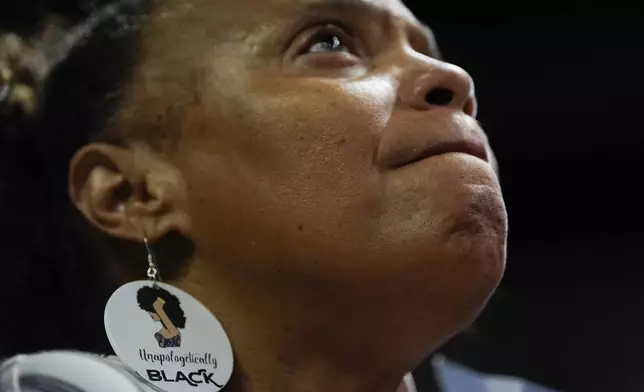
x,y
330,39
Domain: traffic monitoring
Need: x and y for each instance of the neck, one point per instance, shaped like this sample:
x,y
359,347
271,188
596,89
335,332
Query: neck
x,y
302,346
311,376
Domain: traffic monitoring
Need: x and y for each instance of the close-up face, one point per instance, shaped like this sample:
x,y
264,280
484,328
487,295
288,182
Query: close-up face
x,y
319,179
323,147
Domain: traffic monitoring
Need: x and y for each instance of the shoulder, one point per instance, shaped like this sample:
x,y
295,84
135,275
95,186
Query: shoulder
x,y
65,370
454,377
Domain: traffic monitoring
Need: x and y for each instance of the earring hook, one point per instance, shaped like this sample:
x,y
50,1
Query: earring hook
x,y
153,269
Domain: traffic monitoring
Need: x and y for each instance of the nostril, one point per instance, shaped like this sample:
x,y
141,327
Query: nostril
x,y
439,96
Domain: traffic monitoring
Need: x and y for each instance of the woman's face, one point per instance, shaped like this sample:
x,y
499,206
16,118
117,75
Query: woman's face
x,y
154,316
323,143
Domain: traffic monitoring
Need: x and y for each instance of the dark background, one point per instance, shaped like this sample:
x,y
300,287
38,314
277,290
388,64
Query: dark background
x,y
560,88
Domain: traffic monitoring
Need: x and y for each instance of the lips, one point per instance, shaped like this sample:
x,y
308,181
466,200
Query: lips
x,y
463,146
405,144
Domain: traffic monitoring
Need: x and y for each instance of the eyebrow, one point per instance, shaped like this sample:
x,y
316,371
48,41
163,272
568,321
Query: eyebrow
x,y
418,29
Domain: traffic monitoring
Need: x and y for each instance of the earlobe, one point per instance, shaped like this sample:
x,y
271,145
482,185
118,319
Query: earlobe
x,y
126,192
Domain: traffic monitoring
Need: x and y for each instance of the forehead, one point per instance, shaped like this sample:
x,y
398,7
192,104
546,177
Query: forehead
x,y
250,21
254,9
232,14
394,7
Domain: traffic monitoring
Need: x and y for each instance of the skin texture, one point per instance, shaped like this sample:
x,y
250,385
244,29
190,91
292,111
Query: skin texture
x,y
330,261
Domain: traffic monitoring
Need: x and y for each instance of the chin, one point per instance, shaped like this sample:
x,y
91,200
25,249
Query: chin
x,y
473,257
458,286
435,296
451,268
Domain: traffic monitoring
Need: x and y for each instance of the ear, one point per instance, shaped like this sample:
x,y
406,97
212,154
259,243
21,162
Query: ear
x,y
128,193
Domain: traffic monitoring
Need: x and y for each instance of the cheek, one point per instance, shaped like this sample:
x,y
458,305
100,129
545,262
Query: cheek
x,y
293,158
365,104
321,136
322,122
294,130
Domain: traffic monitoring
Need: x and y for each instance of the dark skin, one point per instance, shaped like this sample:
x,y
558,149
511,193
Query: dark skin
x,y
335,257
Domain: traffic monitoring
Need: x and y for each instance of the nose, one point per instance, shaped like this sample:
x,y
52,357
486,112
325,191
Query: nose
x,y
430,83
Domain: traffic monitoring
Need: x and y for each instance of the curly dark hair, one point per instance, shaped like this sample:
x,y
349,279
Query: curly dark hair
x,y
147,295
63,66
